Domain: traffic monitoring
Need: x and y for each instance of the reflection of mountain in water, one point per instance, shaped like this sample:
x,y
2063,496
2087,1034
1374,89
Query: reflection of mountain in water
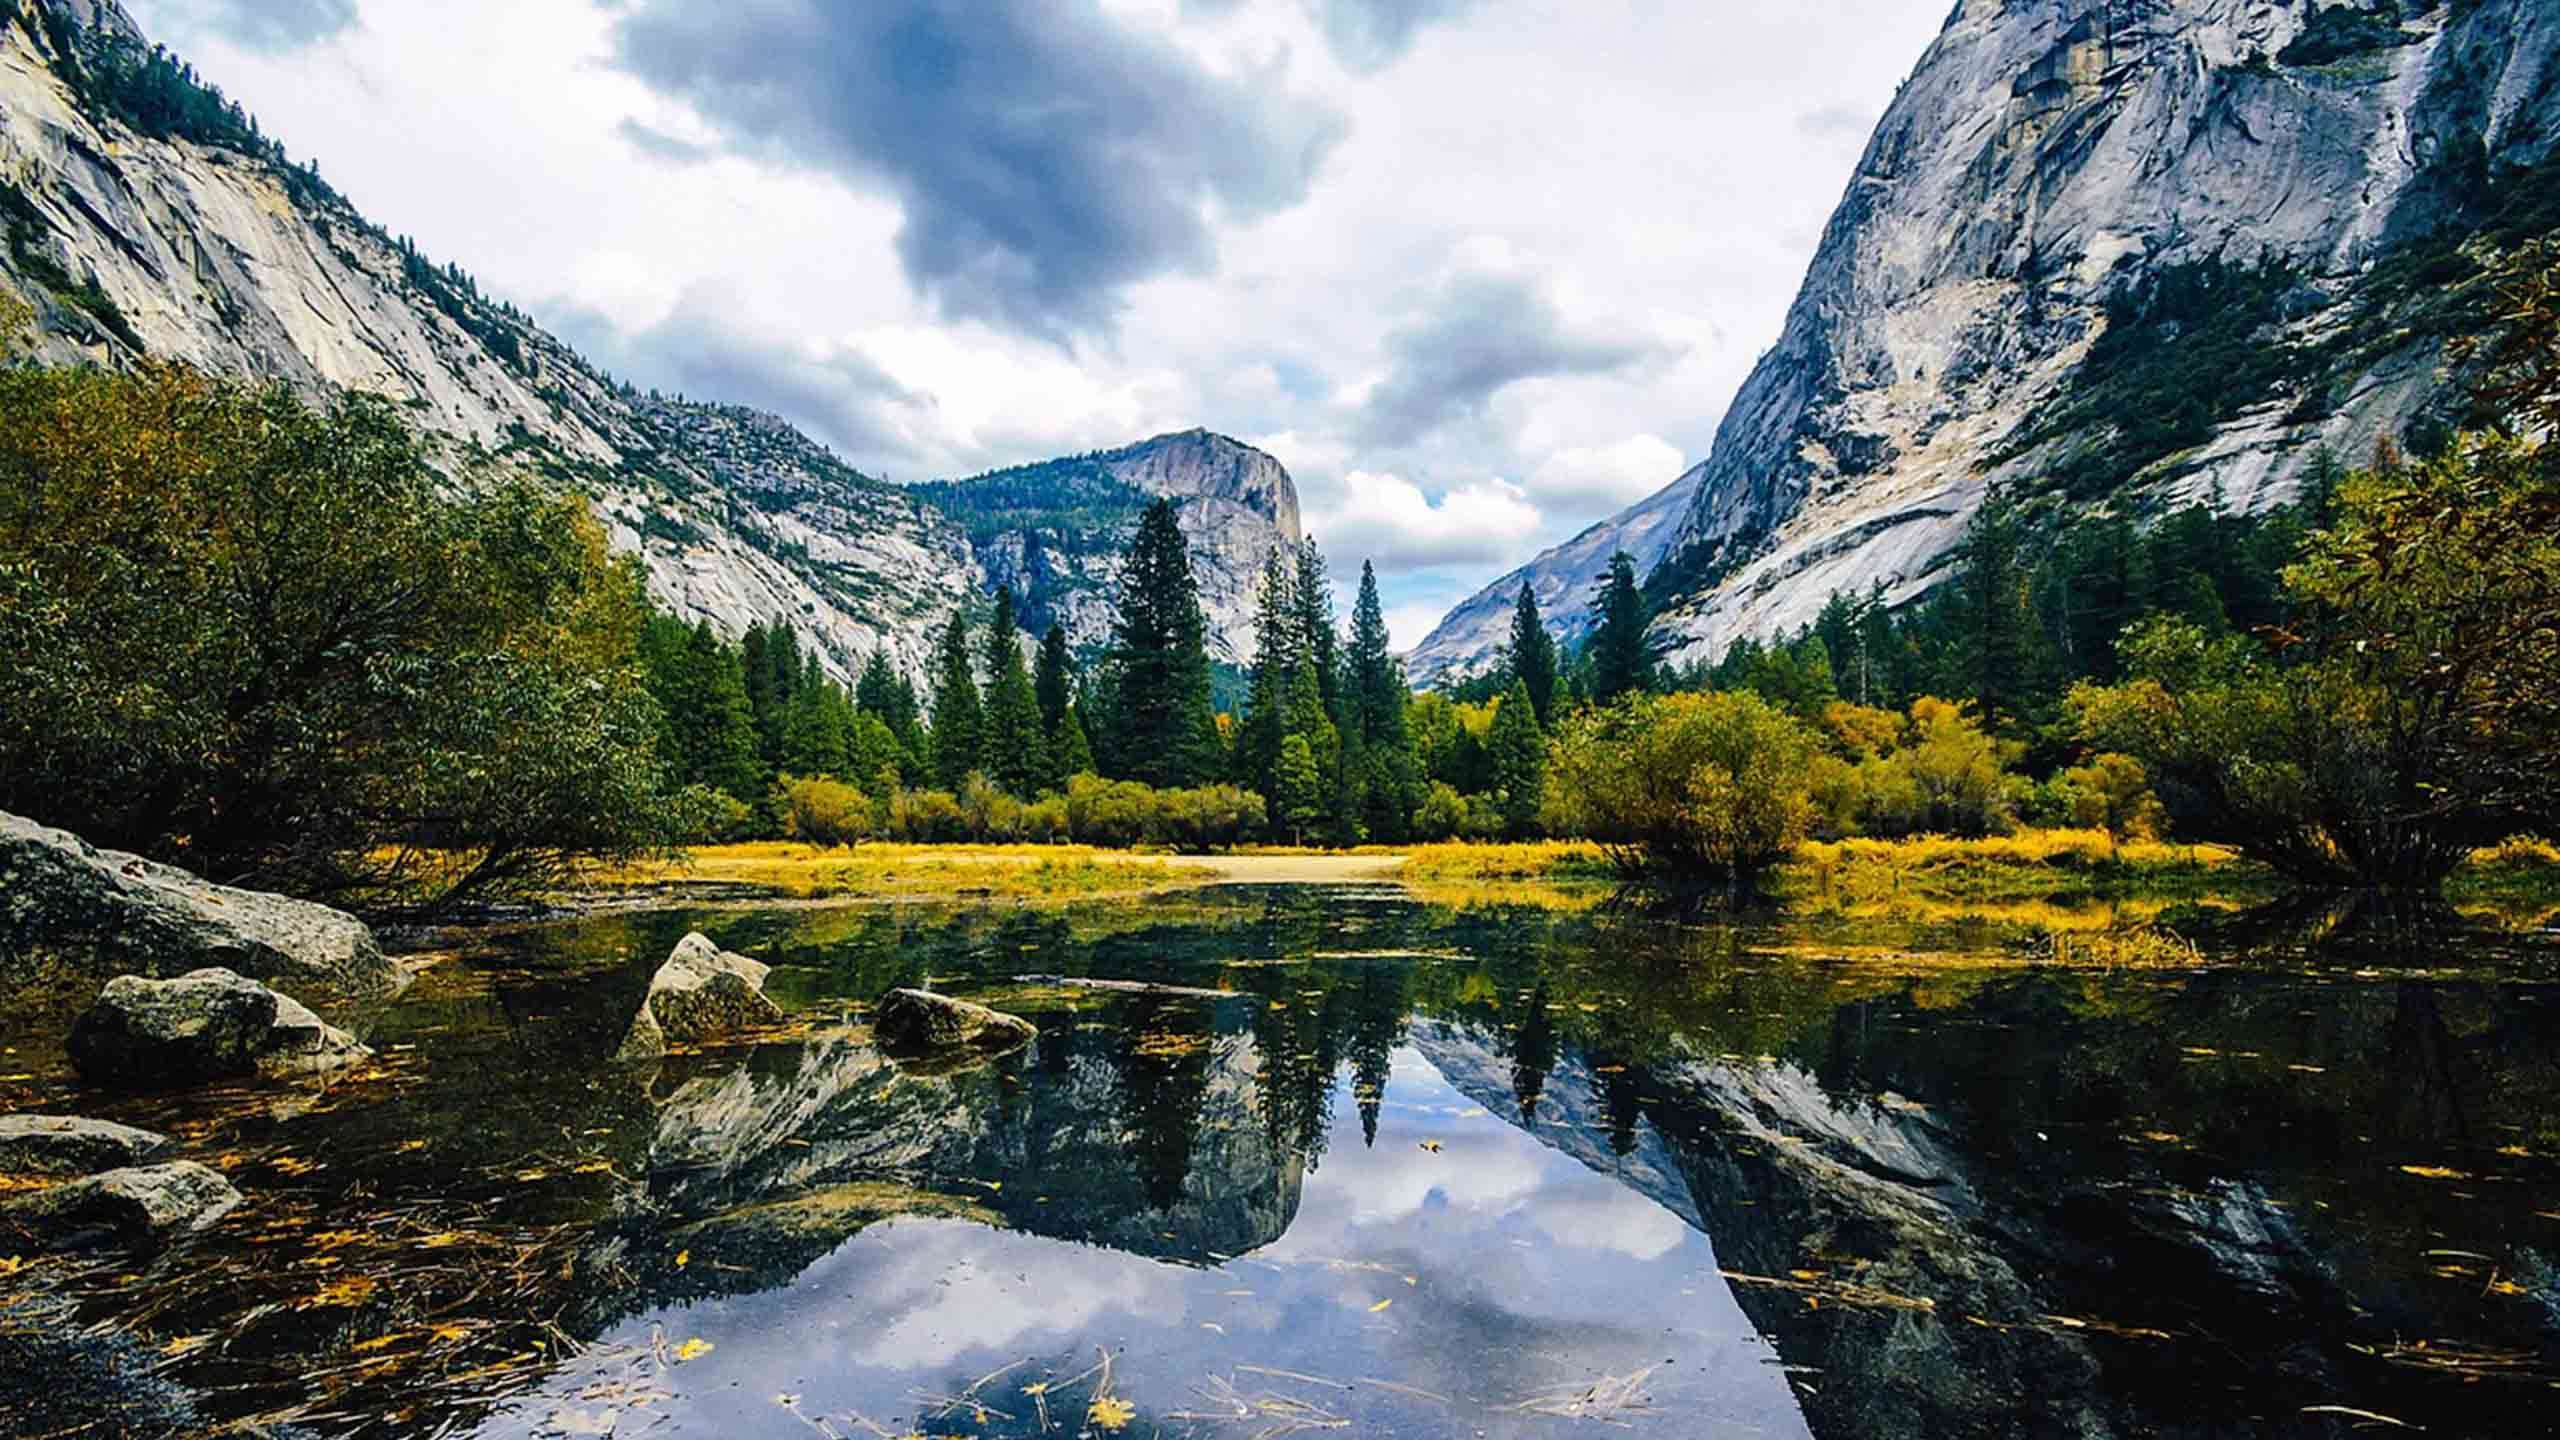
x,y
1138,1127
1987,1265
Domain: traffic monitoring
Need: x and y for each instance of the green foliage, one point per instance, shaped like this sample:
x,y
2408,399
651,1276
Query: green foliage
x,y
1690,791
824,812
2182,352
1622,658
1518,748
264,642
1160,727
2332,33
706,733
1124,813
1533,654
1017,743
1297,787
959,723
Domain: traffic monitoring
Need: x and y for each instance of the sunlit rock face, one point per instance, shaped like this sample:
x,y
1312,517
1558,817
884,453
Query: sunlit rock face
x,y
1061,554
2042,158
1151,1141
242,266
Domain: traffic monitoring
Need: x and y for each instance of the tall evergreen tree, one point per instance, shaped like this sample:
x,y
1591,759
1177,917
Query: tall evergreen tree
x,y
1993,661
1163,730
1392,786
1014,749
1519,753
1315,623
958,721
1276,649
1533,654
1070,754
709,730
1621,655
1054,682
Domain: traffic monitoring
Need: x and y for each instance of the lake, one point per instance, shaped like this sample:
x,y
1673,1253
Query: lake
x,y
1337,1160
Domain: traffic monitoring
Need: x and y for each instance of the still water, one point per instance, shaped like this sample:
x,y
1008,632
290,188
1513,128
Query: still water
x,y
1338,1161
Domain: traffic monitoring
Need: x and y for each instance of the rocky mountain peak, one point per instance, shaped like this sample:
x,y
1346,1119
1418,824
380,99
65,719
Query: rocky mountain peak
x,y
2112,254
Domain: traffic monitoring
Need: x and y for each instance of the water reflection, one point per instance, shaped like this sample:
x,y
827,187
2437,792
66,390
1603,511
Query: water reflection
x,y
1346,1160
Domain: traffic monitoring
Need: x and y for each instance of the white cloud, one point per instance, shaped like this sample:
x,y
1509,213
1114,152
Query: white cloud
x,y
1638,180
1389,519
1605,477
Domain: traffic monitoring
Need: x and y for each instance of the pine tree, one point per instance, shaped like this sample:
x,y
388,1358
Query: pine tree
x,y
1276,651
1315,623
1519,753
1070,754
1054,682
958,723
1297,787
1163,730
1392,786
1533,654
1994,662
1621,656
709,735
1014,752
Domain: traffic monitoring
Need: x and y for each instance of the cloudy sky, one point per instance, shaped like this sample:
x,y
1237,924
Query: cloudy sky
x,y
1480,272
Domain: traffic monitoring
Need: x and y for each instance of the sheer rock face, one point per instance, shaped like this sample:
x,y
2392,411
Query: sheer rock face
x,y
1236,506
236,264
101,913
231,263
2047,155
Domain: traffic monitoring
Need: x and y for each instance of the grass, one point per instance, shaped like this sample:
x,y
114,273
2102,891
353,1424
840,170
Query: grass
x,y
2031,864
884,871
1552,860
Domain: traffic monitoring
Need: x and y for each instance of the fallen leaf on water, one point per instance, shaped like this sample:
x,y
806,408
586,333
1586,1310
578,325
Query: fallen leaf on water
x,y
1111,1412
186,1345
1381,1305
2433,1172
693,1349
12,1264
1431,1145
682,1257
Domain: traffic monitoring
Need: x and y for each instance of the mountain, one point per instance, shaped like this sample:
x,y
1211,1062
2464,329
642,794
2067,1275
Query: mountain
x,y
1056,531
146,215
2118,254
1471,637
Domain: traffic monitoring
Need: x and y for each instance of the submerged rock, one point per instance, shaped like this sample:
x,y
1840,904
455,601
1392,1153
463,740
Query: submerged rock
x,y
207,1025
150,1203
72,1145
920,1022
702,993
101,913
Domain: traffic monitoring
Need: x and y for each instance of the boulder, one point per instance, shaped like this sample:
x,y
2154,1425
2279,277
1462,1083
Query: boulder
x,y
102,913
702,993
149,1203
919,1022
71,1145
206,1025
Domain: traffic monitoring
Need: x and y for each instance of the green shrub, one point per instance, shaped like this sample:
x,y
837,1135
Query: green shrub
x,y
1689,790
824,812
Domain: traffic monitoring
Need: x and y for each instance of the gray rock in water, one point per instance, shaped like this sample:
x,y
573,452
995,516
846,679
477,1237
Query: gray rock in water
x,y
920,1022
207,1025
702,993
72,1145
103,913
148,1203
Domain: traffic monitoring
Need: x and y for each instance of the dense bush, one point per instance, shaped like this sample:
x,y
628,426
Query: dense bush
x,y
1690,790
265,642
1125,813
825,812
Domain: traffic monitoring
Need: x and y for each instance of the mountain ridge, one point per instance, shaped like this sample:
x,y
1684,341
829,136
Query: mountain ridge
x,y
2108,254
148,217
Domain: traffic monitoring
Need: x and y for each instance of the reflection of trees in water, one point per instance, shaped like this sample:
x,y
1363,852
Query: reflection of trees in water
x,y
1533,1054
1161,1052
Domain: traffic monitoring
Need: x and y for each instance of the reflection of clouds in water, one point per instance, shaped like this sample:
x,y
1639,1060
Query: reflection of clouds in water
x,y
945,1287
1530,1270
